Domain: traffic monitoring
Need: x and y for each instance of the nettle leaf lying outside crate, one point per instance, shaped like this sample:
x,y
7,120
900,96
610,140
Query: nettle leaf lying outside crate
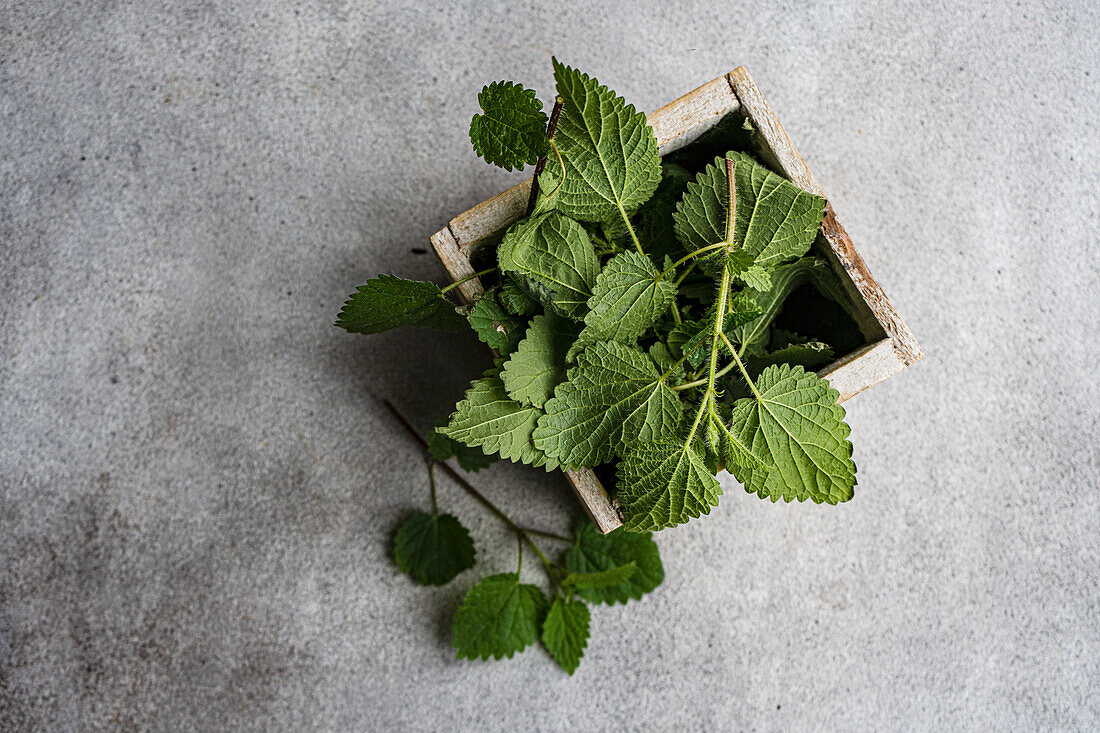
x,y
658,298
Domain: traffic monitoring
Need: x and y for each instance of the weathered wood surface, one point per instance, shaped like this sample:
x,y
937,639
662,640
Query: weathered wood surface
x,y
600,507
675,125
457,264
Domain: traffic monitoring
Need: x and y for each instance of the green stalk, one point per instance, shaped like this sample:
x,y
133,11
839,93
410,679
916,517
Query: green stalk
x,y
468,278
630,228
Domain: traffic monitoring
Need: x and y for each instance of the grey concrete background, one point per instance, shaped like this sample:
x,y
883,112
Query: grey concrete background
x,y
199,482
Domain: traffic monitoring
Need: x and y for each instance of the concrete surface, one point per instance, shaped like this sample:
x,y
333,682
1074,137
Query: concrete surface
x,y
199,482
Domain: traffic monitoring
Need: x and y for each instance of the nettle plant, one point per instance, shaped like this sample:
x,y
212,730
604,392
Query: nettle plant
x,y
633,316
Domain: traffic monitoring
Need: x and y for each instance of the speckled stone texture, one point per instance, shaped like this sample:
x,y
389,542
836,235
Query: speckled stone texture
x,y
199,483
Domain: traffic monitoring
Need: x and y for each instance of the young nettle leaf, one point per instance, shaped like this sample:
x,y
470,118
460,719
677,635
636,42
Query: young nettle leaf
x,y
565,632
628,298
774,221
511,131
602,579
785,279
808,355
441,448
538,364
608,148
735,455
554,256
389,302
433,549
490,419
700,217
612,399
793,422
743,267
664,484
498,617
515,301
494,326
597,553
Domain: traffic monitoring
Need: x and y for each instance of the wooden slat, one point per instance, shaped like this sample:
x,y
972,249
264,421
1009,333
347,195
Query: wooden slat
x,y
457,264
780,151
600,507
683,121
489,217
863,368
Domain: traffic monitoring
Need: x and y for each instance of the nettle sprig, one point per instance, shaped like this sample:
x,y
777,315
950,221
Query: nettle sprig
x,y
632,312
500,615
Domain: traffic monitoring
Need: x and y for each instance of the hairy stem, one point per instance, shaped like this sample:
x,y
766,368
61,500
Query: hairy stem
x,y
468,278
630,229
431,483
548,535
744,371
699,382
720,306
696,253
551,128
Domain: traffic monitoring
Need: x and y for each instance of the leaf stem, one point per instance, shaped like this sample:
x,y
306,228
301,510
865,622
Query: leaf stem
x,y
519,554
696,253
431,483
468,278
744,372
698,382
551,128
685,273
720,308
630,229
548,535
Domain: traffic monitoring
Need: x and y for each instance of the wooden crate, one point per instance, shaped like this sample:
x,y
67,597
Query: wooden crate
x,y
890,345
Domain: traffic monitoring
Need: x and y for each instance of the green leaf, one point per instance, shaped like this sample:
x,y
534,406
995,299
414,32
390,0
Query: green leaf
x,y
664,484
515,300
389,302
796,425
602,579
609,151
785,279
511,131
613,398
556,259
700,217
488,418
775,220
433,549
494,326
498,617
538,363
565,632
809,355
441,447
744,268
599,553
628,298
